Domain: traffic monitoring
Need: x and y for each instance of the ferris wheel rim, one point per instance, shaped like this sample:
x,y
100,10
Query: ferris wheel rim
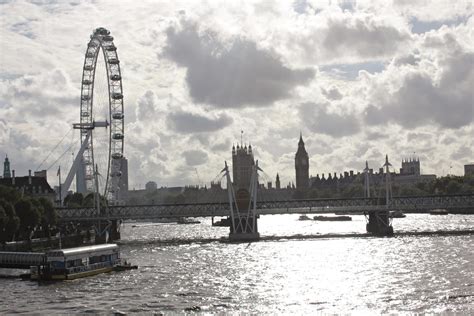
x,y
101,40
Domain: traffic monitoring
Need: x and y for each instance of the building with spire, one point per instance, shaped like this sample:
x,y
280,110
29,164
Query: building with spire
x,y
242,164
277,182
302,166
6,168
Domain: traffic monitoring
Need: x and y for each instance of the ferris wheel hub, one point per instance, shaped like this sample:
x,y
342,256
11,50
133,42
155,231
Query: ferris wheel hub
x,y
90,126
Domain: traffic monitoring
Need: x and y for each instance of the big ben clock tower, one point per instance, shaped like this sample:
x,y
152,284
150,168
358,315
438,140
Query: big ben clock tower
x,y
302,166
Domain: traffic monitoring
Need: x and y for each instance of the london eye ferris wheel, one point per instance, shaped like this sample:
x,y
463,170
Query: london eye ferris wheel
x,y
101,119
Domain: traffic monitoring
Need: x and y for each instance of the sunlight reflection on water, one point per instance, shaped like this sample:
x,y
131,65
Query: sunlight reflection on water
x,y
340,275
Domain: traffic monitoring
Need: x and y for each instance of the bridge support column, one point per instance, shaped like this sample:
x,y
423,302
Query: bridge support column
x,y
243,221
379,223
245,229
102,232
114,233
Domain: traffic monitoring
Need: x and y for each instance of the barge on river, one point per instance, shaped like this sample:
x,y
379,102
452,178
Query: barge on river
x,y
79,262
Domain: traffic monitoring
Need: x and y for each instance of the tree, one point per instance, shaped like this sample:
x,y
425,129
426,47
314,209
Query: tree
x,y
3,223
453,187
74,200
29,216
50,216
12,222
9,194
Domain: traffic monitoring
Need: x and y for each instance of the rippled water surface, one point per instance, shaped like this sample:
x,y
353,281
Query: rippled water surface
x,y
352,275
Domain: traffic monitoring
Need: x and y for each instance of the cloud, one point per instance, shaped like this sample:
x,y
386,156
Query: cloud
x,y
245,56
146,106
231,75
364,37
422,100
38,95
433,10
317,119
195,157
185,122
332,94
462,152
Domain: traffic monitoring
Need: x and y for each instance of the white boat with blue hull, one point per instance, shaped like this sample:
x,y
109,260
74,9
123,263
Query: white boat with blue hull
x,y
74,263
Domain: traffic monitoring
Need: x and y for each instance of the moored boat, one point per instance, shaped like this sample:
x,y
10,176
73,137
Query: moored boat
x,y
79,262
184,220
224,222
439,212
396,214
332,218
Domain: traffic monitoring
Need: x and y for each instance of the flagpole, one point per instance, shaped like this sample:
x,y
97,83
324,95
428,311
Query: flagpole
x,y
60,190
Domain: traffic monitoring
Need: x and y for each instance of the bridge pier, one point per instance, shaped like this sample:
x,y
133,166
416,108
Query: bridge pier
x,y
379,223
114,230
244,228
101,232
107,231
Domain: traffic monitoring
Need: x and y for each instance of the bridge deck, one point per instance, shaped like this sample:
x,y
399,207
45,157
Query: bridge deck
x,y
414,204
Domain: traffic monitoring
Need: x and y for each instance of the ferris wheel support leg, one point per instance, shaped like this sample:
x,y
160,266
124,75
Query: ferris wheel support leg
x,y
75,167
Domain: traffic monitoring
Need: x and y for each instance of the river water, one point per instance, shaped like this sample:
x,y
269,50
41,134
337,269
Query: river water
x,y
429,274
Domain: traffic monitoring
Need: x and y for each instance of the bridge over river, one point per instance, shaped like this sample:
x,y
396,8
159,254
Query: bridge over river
x,y
406,204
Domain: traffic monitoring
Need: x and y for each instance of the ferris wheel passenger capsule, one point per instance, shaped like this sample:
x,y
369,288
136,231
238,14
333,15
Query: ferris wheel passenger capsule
x,y
108,38
114,61
117,155
117,116
102,31
115,77
117,136
117,96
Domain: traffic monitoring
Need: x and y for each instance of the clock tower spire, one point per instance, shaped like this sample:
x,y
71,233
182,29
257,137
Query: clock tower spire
x,y
302,166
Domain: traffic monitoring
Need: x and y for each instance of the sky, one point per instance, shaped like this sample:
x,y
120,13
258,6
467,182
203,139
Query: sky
x,y
358,79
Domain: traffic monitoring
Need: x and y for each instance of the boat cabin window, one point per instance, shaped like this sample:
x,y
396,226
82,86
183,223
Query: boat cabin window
x,y
57,264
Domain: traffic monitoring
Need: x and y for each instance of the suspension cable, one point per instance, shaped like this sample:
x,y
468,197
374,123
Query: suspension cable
x,y
37,168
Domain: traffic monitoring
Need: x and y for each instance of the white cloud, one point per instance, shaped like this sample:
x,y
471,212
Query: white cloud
x,y
253,66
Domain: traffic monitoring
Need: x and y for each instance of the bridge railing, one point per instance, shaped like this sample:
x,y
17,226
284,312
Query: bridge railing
x,y
409,203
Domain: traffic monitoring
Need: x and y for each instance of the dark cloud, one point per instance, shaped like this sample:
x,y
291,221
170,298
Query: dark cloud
x,y
319,120
332,93
184,122
461,153
236,75
362,37
195,157
221,146
420,101
146,106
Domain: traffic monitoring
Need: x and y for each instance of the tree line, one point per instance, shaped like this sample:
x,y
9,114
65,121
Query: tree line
x,y
448,185
23,217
